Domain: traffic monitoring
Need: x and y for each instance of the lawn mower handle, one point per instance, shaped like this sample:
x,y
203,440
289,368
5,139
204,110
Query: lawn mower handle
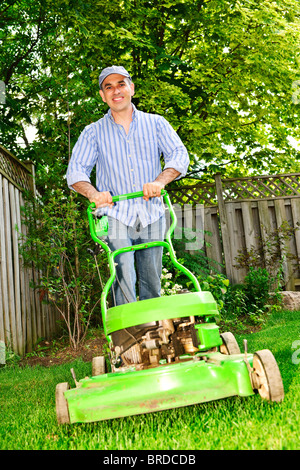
x,y
123,197
112,254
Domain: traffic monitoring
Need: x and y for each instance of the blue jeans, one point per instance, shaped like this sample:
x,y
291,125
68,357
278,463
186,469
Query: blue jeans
x,y
143,265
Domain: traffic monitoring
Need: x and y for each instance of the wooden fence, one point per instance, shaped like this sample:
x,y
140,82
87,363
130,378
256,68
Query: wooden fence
x,y
241,214
236,215
23,317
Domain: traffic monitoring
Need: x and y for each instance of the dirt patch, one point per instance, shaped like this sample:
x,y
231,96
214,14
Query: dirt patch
x,y
49,353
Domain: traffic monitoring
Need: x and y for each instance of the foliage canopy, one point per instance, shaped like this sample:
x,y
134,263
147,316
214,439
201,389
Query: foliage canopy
x,y
222,72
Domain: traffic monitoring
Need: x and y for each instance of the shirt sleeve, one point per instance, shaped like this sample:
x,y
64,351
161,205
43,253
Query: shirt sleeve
x,y
174,151
83,159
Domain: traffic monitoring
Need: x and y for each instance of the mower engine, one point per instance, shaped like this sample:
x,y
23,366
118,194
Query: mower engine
x,y
150,344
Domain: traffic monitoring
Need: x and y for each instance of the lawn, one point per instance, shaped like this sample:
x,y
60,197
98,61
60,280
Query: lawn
x,y
28,417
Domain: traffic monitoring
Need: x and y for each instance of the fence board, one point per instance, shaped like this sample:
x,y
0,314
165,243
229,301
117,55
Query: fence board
x,y
21,274
4,310
295,206
16,271
4,278
249,227
27,321
2,330
235,230
9,265
213,243
292,244
224,229
281,217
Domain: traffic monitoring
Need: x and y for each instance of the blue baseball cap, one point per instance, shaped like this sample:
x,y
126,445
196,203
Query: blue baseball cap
x,y
113,69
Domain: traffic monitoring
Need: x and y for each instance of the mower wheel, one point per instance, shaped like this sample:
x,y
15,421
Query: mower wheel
x,y
62,411
266,376
230,345
98,365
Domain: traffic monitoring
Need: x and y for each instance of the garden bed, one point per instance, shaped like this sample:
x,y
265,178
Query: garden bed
x,y
50,353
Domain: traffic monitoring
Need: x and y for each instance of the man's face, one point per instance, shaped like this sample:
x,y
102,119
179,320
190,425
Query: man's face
x,y
116,91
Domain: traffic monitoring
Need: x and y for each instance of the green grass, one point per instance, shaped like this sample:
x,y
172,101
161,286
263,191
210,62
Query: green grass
x,y
28,417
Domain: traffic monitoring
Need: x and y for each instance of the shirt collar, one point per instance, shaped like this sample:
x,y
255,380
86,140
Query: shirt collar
x,y
134,114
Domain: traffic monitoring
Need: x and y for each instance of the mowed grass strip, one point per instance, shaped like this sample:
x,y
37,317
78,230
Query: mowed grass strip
x,y
28,416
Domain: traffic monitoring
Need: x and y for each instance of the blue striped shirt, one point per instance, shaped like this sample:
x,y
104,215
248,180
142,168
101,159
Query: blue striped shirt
x,y
124,163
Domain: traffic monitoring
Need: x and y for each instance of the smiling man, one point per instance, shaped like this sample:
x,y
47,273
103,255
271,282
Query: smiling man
x,y
125,146
117,91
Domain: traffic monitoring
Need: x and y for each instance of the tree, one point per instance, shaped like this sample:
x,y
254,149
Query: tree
x,y
221,72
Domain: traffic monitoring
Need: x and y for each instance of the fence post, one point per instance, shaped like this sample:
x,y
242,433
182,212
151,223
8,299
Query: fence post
x,y
224,228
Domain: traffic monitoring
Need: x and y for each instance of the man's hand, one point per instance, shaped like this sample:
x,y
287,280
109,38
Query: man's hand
x,y
152,190
101,199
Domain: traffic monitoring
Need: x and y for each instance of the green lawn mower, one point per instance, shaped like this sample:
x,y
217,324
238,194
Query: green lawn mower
x,y
165,352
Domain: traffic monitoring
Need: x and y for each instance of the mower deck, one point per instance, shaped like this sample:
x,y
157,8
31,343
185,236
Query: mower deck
x,y
203,378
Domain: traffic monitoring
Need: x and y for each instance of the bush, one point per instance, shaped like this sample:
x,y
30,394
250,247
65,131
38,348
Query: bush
x,y
56,244
250,303
216,284
257,286
235,301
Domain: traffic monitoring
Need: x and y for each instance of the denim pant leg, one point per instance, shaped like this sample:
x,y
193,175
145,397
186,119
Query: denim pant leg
x,y
124,289
149,260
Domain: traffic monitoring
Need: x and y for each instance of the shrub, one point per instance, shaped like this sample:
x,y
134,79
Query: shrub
x,y
217,284
257,285
56,243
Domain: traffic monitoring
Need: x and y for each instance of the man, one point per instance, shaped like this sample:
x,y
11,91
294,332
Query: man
x,y
126,145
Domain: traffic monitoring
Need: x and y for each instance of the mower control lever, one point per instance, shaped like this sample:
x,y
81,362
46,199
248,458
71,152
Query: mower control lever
x,y
123,197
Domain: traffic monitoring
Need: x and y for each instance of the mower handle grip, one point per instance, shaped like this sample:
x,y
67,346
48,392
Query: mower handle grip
x,y
124,197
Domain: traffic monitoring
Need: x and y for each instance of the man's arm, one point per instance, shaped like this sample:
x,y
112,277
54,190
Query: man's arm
x,y
101,199
154,189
